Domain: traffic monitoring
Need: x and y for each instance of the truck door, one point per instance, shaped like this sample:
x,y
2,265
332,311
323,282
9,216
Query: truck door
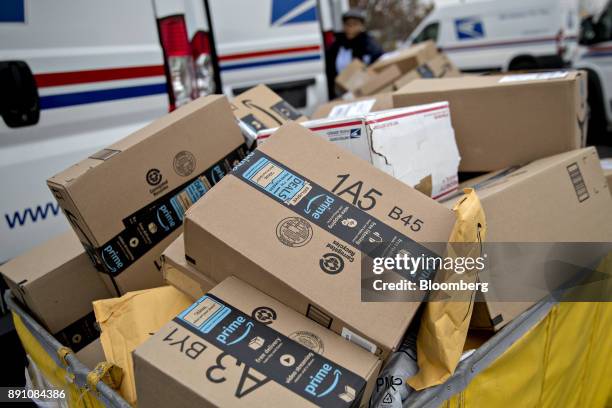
x,y
275,42
76,76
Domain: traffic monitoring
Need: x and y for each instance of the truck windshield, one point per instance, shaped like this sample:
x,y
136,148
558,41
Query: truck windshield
x,y
594,32
430,32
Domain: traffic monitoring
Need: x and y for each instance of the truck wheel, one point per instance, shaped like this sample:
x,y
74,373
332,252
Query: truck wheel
x,y
523,63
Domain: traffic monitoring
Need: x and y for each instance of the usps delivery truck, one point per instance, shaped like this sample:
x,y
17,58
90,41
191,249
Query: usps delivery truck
x,y
75,76
500,35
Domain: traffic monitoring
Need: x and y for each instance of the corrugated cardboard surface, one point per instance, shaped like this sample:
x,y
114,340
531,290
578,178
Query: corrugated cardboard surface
x,y
352,77
181,274
437,67
503,124
166,375
377,82
407,59
233,231
381,102
261,108
98,194
56,281
539,202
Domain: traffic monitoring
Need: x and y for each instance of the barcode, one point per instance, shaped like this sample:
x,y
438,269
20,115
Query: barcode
x,y
578,181
313,313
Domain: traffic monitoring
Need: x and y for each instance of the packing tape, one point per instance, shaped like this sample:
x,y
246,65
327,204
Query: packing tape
x,y
108,373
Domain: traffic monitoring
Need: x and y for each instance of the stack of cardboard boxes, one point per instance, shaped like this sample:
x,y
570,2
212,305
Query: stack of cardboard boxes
x,y
394,70
269,244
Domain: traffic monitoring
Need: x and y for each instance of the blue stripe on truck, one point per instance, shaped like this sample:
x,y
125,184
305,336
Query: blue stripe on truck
x,y
231,67
102,95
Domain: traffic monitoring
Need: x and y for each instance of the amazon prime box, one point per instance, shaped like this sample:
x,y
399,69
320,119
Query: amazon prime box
x,y
237,347
126,202
297,217
57,283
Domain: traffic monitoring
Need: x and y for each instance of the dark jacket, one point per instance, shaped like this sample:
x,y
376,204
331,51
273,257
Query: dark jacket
x,y
364,47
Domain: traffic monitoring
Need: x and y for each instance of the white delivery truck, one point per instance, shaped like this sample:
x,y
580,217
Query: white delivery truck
x,y
76,76
280,43
500,35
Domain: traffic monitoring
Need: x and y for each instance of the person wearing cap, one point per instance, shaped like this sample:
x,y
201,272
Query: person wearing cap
x,y
353,43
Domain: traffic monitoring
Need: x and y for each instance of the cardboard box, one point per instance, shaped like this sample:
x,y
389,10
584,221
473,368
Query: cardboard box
x,y
352,77
415,145
378,82
360,106
438,67
57,283
126,202
501,121
260,108
181,274
407,59
238,347
563,198
294,246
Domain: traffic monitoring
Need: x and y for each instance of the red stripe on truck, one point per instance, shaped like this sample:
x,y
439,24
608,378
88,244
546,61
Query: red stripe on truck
x,y
97,75
230,57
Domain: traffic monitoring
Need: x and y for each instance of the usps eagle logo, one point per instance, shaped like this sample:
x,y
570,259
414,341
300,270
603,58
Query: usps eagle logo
x,y
285,12
469,28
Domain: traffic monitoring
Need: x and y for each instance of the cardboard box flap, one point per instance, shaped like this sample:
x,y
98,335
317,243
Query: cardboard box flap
x,y
260,108
178,272
406,59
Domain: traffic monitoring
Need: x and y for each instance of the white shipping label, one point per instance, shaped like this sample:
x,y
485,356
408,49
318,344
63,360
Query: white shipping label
x,y
539,76
606,164
351,109
358,340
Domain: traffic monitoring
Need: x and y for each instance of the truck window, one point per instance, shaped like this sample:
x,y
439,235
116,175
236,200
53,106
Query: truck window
x,y
430,32
593,32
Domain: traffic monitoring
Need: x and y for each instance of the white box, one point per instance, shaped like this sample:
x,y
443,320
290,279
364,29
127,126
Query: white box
x,y
416,145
